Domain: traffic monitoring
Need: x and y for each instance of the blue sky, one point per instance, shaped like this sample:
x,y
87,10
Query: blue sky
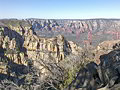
x,y
60,9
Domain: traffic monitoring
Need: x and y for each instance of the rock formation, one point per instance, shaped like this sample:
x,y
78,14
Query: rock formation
x,y
21,43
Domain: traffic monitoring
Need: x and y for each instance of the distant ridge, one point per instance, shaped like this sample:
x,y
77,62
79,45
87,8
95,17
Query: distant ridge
x,y
60,19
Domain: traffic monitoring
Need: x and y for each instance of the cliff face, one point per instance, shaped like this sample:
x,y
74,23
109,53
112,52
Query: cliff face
x,y
20,43
56,47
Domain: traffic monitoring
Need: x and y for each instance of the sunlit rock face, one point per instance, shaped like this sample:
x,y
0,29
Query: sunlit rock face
x,y
56,47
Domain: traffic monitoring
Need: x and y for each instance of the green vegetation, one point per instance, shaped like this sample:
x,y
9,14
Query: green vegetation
x,y
17,49
70,76
1,31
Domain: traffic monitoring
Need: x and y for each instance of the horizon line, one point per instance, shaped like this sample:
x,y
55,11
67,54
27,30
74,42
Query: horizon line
x,y
58,18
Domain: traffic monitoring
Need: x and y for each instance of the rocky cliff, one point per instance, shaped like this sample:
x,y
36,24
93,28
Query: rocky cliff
x,y
20,43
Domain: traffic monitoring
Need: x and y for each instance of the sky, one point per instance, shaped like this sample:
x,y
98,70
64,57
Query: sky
x,y
59,9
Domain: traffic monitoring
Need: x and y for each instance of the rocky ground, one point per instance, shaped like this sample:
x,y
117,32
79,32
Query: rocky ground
x,y
30,60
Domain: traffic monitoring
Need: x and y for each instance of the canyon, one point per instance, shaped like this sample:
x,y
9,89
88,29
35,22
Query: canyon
x,y
51,49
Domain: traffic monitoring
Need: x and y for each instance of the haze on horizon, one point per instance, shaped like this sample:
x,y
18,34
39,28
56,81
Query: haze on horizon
x,y
59,9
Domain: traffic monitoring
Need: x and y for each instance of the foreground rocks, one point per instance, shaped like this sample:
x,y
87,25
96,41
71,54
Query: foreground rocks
x,y
104,48
104,76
